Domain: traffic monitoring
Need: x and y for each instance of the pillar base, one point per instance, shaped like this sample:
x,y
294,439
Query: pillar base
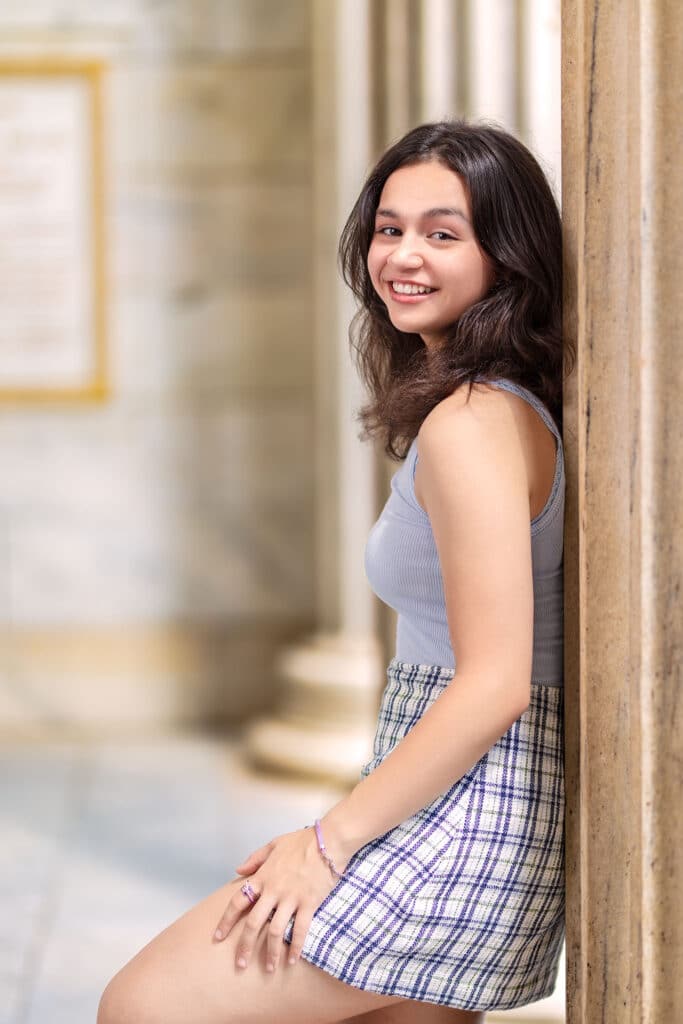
x,y
326,719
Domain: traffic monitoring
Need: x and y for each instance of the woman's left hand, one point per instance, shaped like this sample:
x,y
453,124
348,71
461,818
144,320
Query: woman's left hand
x,y
293,879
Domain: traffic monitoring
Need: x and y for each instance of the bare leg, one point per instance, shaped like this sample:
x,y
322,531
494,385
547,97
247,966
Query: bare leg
x,y
185,975
409,1011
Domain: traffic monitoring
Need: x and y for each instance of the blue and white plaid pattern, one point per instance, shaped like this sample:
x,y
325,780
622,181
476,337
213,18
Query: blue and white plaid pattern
x,y
463,903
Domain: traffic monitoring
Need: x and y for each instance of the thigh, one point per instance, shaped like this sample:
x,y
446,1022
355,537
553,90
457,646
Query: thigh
x,y
184,975
410,1011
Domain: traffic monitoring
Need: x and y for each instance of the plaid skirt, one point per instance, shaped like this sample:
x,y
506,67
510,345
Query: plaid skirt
x,y
462,904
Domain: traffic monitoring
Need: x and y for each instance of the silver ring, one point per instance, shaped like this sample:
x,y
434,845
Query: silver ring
x,y
249,892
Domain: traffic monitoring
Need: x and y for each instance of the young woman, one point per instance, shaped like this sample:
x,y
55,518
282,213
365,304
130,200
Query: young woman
x,y
435,889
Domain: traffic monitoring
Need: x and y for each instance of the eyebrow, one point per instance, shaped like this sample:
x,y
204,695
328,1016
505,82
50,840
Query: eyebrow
x,y
436,211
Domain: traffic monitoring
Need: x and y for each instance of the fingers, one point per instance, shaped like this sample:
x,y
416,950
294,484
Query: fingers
x,y
234,910
253,924
302,922
275,923
276,947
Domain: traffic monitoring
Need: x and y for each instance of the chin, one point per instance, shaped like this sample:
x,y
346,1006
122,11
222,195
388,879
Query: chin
x,y
409,327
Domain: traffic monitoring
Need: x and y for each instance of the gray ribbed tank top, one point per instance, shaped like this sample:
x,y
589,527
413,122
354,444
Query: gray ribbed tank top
x,y
402,567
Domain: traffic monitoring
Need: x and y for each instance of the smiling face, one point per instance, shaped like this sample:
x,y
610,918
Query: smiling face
x,y
424,260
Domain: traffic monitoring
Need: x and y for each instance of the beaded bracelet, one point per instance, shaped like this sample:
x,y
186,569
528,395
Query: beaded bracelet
x,y
326,856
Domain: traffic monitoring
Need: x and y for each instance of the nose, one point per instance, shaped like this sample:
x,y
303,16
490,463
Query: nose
x,y
406,253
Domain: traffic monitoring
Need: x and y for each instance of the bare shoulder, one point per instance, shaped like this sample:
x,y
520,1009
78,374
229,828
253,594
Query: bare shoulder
x,y
470,447
482,418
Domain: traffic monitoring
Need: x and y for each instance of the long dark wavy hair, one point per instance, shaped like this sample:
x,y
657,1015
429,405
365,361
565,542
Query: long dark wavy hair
x,y
514,331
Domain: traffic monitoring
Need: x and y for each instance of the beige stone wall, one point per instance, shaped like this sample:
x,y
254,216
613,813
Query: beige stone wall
x,y
623,214
156,549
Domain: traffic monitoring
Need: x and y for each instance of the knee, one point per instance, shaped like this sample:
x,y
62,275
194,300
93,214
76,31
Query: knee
x,y
119,1004
111,1009
107,1012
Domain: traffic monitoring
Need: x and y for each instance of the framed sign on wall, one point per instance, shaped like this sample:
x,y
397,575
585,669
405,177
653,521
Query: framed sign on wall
x,y
52,251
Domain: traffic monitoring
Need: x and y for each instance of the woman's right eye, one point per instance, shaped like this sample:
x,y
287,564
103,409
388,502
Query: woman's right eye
x,y
380,231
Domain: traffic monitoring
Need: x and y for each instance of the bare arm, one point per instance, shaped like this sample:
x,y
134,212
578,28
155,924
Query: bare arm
x,y
475,490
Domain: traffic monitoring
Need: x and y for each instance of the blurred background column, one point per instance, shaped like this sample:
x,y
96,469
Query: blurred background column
x,y
325,719
492,33
539,80
380,68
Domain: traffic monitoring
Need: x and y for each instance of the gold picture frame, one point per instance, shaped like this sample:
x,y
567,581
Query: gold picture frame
x,y
51,133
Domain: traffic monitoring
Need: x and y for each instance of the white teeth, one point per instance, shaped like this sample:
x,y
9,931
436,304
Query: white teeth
x,y
410,289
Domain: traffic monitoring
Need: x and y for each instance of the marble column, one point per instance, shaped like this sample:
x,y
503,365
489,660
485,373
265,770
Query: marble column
x,y
330,683
622,156
439,31
539,82
491,41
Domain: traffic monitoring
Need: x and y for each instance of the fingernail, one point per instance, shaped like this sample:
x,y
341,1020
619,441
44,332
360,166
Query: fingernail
x,y
292,959
270,968
218,934
241,962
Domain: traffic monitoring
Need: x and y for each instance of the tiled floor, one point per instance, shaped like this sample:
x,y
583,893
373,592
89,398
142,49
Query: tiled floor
x,y
102,844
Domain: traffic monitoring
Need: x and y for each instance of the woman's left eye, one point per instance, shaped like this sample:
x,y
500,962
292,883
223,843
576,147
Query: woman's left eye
x,y
444,237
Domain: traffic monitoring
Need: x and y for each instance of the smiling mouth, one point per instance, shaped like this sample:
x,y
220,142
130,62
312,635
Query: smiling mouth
x,y
400,288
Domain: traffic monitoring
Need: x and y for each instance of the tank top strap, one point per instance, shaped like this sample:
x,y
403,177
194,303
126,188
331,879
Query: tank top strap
x,y
531,398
